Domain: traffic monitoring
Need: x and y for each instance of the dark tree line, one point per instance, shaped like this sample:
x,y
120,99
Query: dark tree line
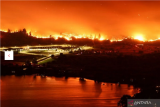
x,y
23,38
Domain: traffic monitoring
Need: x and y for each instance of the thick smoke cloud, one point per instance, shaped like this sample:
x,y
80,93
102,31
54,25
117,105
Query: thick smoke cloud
x,y
112,19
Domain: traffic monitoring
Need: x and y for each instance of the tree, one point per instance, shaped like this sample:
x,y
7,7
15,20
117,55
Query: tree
x,y
27,63
24,31
99,36
30,34
146,93
34,61
52,56
123,101
9,31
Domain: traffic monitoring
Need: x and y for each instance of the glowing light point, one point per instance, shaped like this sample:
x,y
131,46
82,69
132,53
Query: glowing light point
x,y
101,39
139,37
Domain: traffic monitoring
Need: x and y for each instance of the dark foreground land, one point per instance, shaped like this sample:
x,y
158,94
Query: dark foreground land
x,y
109,67
19,59
138,69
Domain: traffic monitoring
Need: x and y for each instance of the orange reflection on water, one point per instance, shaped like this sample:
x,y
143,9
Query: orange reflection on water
x,y
54,91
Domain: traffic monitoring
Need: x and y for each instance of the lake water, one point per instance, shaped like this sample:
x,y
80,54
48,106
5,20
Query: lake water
x,y
26,91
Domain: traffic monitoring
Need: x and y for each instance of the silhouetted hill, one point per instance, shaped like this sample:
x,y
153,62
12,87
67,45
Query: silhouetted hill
x,y
21,38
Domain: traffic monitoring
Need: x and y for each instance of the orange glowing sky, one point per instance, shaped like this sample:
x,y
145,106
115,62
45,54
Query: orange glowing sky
x,y
112,19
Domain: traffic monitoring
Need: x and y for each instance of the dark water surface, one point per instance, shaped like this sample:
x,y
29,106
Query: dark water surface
x,y
26,91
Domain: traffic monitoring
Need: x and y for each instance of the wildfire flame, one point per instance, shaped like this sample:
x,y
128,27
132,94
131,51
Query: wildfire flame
x,y
139,37
69,36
